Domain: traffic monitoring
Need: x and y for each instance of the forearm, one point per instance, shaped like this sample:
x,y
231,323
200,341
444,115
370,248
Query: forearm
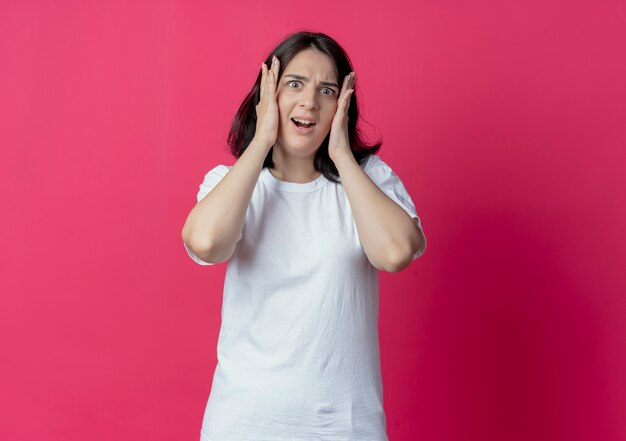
x,y
215,223
388,234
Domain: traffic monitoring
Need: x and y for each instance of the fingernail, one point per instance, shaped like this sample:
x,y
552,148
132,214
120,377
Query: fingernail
x,y
274,59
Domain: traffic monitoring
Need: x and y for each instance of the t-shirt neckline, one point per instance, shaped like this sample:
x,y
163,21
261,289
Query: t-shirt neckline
x,y
292,187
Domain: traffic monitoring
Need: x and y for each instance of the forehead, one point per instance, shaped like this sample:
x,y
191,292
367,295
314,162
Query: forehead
x,y
312,62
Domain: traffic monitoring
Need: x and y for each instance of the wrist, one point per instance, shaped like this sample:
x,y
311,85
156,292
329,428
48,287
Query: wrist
x,y
259,144
343,158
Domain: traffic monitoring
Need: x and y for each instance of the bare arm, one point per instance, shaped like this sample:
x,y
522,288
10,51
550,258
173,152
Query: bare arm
x,y
389,236
214,225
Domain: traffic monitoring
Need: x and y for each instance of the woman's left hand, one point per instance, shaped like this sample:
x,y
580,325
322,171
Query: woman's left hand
x,y
338,142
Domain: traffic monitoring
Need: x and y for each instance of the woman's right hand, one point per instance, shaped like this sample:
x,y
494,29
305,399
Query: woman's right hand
x,y
267,108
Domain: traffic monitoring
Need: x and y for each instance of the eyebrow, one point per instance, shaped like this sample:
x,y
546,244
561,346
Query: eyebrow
x,y
300,77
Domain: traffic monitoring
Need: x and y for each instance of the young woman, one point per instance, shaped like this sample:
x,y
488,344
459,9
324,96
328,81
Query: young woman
x,y
306,217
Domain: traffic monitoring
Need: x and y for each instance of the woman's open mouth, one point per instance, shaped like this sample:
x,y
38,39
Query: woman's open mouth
x,y
301,126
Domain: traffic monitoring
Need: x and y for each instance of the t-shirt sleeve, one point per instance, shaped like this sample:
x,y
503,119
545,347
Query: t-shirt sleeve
x,y
211,179
384,177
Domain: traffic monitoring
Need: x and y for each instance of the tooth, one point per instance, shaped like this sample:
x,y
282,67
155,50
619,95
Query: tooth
x,y
303,121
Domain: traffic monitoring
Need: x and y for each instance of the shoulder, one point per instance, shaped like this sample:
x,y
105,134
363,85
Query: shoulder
x,y
211,179
216,173
219,170
382,174
374,162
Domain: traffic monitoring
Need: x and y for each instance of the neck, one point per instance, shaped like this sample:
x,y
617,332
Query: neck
x,y
290,168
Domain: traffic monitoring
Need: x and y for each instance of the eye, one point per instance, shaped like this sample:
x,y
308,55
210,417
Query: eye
x,y
325,90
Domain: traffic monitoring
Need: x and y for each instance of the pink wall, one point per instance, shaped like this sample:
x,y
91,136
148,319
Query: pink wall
x,y
506,123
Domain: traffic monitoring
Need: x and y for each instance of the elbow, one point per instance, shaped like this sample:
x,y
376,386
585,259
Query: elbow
x,y
395,260
401,256
201,248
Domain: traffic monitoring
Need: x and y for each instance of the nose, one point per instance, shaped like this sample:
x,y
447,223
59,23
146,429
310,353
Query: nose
x,y
308,98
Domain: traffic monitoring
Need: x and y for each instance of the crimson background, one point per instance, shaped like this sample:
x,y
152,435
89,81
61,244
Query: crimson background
x,y
505,120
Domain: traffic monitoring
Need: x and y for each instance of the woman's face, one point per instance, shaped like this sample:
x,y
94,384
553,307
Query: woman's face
x,y
308,89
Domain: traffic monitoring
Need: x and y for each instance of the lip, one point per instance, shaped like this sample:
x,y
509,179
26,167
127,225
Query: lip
x,y
302,130
305,118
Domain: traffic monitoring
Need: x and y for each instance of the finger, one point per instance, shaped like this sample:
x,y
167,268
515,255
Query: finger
x,y
266,70
263,79
345,103
271,86
276,68
261,84
350,90
344,88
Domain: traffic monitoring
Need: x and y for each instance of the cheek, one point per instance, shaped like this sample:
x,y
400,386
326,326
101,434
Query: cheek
x,y
329,114
283,106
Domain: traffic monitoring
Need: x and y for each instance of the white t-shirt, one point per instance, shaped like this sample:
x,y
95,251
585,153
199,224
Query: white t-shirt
x,y
298,355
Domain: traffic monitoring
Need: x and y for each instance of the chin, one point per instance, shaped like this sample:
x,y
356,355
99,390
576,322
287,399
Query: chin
x,y
300,145
302,151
